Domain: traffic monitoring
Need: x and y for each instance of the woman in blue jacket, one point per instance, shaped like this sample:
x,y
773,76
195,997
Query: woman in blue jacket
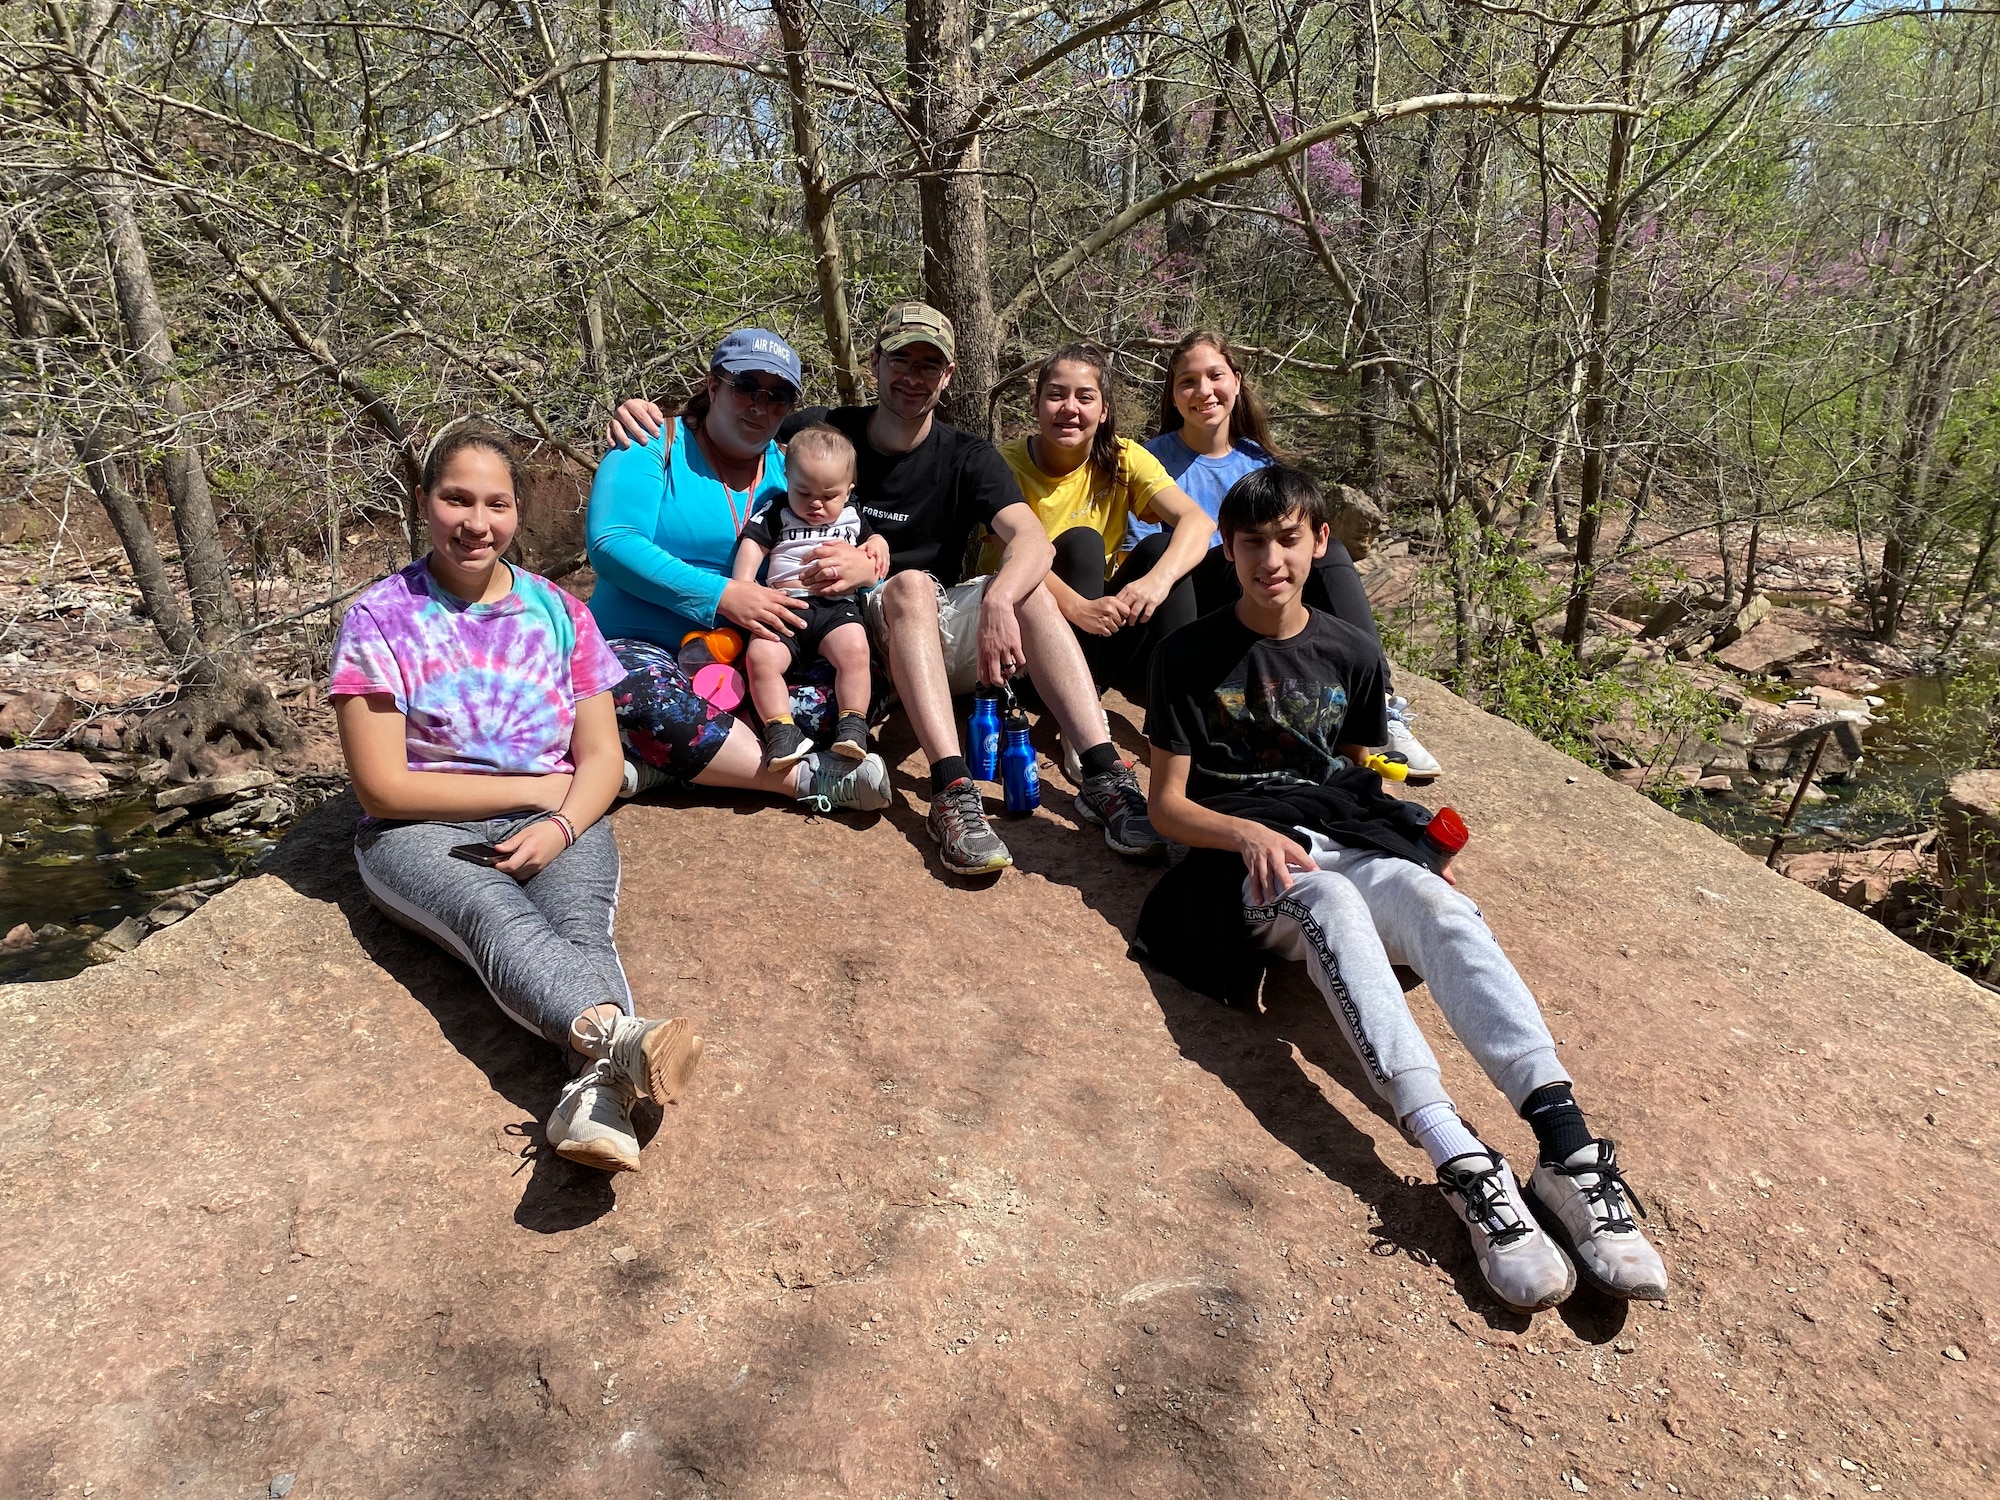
x,y
661,532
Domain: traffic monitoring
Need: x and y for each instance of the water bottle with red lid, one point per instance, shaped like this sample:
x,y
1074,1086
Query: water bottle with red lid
x,y
1444,836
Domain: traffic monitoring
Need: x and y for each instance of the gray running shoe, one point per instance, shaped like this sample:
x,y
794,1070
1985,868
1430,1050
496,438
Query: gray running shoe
x,y
828,783
1520,1263
1114,803
592,1122
1587,1205
639,777
654,1058
966,841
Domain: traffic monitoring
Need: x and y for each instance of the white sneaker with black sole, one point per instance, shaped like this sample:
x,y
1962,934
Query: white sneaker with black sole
x,y
1524,1268
1587,1205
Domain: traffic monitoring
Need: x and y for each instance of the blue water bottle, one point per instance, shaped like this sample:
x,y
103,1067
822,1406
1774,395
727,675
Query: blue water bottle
x,y
1020,783
982,734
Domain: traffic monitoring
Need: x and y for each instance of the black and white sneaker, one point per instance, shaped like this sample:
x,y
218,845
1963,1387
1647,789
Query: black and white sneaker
x,y
1587,1205
1114,803
1521,1264
850,737
785,745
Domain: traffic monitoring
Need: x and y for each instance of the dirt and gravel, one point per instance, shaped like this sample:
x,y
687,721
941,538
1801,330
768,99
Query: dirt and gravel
x,y
965,1203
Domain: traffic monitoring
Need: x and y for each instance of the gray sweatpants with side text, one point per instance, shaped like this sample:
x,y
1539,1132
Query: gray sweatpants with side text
x,y
1361,912
542,946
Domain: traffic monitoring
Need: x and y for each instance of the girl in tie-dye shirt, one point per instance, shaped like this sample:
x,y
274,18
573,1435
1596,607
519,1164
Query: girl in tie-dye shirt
x,y
475,709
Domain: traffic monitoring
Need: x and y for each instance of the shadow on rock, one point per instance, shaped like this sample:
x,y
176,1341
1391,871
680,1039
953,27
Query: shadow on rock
x,y
316,860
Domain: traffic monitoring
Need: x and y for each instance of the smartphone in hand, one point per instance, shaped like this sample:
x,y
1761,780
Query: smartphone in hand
x,y
479,854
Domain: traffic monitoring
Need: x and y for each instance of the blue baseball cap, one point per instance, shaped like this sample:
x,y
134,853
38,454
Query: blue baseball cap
x,y
761,351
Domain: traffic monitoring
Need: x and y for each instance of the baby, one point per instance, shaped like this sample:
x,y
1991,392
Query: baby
x,y
819,483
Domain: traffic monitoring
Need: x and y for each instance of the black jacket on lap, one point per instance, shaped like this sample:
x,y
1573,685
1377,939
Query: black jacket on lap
x,y
1192,926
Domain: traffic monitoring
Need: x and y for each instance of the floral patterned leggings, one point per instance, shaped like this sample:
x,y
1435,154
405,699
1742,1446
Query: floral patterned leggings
x,y
666,724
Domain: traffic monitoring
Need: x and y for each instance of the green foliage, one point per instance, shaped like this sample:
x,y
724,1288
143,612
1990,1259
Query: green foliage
x,y
1511,668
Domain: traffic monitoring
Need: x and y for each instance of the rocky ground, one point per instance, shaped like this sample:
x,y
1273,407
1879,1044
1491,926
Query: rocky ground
x,y
965,1203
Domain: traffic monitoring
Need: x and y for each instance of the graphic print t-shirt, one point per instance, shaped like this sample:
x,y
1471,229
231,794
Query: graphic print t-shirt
x,y
791,542
487,688
926,502
1249,710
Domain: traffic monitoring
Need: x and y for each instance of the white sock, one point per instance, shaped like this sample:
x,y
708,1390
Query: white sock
x,y
1441,1133
802,775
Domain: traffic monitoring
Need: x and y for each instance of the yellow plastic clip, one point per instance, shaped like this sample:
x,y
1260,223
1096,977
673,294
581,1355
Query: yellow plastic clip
x,y
1387,769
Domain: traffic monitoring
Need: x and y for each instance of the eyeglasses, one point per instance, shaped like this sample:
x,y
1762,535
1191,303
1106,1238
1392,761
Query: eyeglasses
x,y
746,385
926,369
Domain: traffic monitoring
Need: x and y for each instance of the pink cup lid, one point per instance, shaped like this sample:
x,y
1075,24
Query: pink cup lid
x,y
721,686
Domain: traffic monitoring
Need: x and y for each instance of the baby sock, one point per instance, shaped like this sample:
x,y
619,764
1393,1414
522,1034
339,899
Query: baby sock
x,y
1558,1124
1441,1133
779,719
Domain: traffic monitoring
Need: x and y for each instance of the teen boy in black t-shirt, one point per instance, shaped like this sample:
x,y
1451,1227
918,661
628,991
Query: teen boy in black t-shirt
x,y
1263,709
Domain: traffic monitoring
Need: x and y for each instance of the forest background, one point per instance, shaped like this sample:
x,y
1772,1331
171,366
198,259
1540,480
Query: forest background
x,y
1610,272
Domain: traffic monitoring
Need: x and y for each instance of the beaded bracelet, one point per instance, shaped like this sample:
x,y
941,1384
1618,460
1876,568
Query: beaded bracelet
x,y
568,828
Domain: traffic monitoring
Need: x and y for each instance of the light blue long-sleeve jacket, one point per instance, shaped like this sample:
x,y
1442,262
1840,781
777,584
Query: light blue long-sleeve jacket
x,y
661,534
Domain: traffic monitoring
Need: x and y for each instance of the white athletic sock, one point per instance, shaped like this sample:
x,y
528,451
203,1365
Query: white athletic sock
x,y
1441,1133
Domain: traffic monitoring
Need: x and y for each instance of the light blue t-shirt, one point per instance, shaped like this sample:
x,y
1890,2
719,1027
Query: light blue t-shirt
x,y
1205,480
662,532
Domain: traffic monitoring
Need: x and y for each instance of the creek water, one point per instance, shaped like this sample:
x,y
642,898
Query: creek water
x,y
82,866
1874,800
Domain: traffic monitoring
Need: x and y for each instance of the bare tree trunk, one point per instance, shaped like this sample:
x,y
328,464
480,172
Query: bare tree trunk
x,y
1596,425
951,197
231,712
203,563
817,191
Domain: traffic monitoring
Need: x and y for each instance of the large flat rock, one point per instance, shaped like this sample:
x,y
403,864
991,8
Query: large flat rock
x,y
964,1203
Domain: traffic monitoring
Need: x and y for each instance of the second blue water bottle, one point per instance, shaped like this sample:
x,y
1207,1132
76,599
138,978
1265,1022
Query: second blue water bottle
x,y
1020,782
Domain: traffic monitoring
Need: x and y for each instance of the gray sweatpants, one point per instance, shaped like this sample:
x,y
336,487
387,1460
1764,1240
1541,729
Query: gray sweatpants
x,y
1361,912
542,947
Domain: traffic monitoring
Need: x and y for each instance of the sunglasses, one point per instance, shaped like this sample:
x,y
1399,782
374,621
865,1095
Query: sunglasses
x,y
746,386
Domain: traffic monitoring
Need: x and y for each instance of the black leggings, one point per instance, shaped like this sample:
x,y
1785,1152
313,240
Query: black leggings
x,y
1125,657
1333,586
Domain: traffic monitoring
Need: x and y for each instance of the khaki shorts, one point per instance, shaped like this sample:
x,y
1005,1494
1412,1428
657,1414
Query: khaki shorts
x,y
958,628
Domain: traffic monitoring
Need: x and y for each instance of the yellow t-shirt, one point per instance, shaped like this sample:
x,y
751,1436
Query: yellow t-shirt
x,y
1083,497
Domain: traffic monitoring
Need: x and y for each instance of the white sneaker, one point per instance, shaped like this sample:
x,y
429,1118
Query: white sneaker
x,y
1521,1264
1587,1204
592,1122
1072,763
1423,765
653,1058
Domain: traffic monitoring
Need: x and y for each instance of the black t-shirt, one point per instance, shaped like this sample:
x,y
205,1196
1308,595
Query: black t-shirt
x,y
1249,710
926,502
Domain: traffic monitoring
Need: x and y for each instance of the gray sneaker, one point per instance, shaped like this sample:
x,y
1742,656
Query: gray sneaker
x,y
1521,1264
639,777
830,783
966,841
1114,803
1587,1205
592,1122
654,1058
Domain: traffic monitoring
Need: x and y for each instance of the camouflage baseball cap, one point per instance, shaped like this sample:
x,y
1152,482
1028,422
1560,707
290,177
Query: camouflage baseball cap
x,y
910,323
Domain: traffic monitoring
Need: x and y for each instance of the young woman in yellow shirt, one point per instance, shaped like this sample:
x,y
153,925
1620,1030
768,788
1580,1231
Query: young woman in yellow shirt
x,y
1083,481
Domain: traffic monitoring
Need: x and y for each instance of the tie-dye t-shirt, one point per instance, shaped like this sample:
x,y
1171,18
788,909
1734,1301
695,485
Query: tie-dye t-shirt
x,y
487,688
